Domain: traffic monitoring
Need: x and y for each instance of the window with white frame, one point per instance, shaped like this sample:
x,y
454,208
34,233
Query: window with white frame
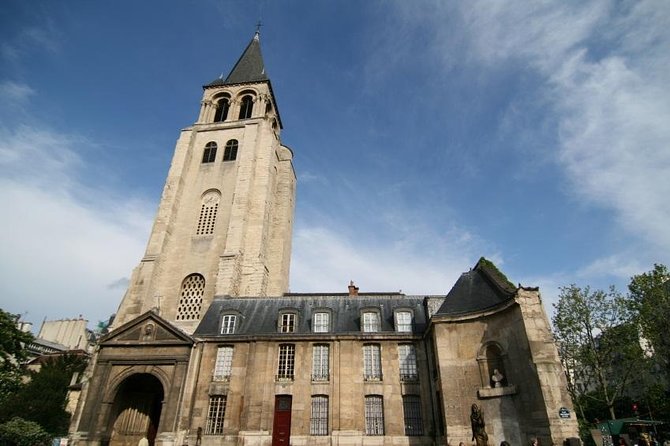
x,y
403,321
374,415
287,322
372,363
411,407
320,362
407,360
223,367
371,322
318,424
286,365
215,415
228,323
321,322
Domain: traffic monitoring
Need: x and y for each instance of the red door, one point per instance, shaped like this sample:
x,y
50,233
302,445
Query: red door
x,y
281,427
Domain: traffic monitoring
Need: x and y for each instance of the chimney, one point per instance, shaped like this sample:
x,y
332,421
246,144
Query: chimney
x,y
353,289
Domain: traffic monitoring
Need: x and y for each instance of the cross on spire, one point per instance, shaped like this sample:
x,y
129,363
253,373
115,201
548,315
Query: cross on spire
x,y
258,27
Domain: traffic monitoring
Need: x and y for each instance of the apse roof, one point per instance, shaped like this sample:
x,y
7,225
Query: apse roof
x,y
483,287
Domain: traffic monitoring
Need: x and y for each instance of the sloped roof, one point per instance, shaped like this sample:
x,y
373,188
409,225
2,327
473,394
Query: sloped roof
x,y
259,315
480,289
249,67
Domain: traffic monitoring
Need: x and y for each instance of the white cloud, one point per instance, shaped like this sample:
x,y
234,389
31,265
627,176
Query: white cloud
x,y
15,92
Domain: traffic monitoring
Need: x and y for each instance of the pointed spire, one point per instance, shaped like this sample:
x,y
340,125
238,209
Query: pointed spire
x,y
249,67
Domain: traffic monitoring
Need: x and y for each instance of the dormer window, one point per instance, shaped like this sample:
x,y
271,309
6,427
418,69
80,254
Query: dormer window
x,y
228,322
371,322
321,322
209,154
403,321
246,107
287,322
222,108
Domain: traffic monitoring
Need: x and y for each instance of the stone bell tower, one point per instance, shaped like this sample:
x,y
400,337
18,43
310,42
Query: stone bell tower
x,y
225,218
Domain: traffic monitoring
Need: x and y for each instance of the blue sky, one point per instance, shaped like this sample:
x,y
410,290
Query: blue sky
x,y
426,134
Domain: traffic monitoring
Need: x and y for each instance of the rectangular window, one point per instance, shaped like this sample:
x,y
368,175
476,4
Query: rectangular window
x,y
374,415
320,322
287,323
320,366
403,321
407,359
228,324
411,406
371,322
286,367
372,363
215,415
319,421
223,367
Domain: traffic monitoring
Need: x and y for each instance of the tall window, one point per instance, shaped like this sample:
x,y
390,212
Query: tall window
x,y
228,323
371,322
208,211
318,424
403,321
190,301
230,151
286,366
209,155
372,363
407,359
411,407
320,359
246,107
287,322
374,415
222,108
215,415
321,322
223,367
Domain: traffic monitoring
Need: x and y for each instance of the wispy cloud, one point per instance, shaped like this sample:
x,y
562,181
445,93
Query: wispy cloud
x,y
15,92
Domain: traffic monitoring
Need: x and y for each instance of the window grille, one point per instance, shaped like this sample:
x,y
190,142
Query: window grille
x,y
374,415
320,362
230,151
371,322
228,323
411,406
287,323
403,320
246,107
222,110
208,211
319,421
209,154
407,359
190,302
372,362
215,415
223,367
286,366
320,322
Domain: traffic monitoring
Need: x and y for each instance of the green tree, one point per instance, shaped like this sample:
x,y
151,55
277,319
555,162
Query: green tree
x,y
650,297
598,346
44,397
19,432
13,353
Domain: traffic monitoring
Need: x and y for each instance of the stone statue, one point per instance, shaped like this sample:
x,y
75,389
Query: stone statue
x,y
497,378
478,426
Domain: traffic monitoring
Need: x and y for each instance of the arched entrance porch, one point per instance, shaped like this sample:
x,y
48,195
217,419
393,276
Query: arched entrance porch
x,y
136,410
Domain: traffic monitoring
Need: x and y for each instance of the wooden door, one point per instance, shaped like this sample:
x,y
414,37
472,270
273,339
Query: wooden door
x,y
281,427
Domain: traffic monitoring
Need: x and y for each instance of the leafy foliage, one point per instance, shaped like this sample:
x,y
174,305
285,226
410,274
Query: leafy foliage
x,y
19,432
13,353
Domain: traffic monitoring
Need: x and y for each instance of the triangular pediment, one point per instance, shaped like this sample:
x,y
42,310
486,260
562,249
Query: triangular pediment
x,y
147,329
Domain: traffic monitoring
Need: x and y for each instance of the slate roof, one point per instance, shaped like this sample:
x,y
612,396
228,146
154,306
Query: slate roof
x,y
477,290
259,315
249,67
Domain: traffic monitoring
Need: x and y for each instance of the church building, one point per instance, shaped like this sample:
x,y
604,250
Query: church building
x,y
209,348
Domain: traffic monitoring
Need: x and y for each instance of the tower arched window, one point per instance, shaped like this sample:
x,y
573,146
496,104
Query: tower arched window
x,y
222,108
209,154
190,299
230,152
208,210
246,107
